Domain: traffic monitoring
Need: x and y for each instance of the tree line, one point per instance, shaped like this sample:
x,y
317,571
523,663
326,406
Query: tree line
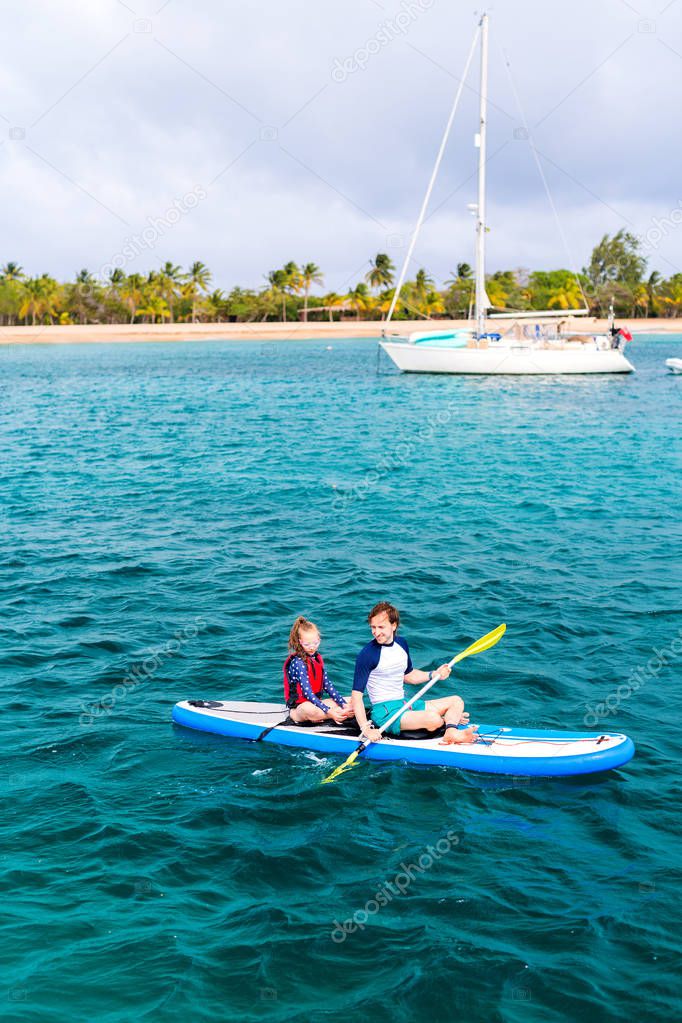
x,y
617,272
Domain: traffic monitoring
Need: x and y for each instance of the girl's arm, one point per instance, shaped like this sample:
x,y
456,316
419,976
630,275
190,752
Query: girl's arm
x,y
300,675
331,689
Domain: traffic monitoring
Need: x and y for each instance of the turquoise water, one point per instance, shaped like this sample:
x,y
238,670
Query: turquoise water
x,y
167,511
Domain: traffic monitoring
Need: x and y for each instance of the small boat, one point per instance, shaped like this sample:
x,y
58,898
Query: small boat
x,y
674,365
523,349
499,749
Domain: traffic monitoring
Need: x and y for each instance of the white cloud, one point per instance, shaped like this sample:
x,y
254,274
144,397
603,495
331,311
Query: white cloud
x,y
132,119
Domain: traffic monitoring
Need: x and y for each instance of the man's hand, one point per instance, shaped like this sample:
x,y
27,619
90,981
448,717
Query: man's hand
x,y
443,672
372,734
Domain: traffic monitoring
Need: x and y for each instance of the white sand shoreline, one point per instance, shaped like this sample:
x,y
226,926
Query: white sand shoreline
x,y
370,329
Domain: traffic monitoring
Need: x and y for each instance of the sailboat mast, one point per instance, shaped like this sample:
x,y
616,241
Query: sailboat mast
x,y
481,297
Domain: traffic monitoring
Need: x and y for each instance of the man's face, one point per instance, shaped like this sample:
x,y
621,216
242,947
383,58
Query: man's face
x,y
382,629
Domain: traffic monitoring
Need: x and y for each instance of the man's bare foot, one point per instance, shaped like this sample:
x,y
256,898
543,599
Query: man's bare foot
x,y
456,736
464,720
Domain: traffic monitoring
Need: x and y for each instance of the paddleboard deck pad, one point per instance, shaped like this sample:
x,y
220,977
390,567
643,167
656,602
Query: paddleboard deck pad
x,y
499,750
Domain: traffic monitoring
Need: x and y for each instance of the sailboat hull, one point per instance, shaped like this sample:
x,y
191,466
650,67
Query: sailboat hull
x,y
505,360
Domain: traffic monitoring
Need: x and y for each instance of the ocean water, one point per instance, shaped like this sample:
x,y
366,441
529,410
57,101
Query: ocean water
x,y
167,510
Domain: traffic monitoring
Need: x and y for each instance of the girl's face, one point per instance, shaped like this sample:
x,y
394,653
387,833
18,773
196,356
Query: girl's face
x,y
310,640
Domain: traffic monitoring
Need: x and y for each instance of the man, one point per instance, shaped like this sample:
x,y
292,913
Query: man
x,y
382,667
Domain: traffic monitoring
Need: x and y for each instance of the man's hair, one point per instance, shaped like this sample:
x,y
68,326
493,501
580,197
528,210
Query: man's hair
x,y
392,612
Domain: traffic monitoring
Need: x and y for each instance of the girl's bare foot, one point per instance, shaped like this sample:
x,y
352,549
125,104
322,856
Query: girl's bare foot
x,y
456,736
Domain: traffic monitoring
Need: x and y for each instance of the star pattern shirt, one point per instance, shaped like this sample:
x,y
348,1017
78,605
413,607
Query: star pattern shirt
x,y
298,675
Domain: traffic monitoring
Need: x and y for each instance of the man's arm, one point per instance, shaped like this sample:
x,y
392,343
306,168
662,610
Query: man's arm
x,y
417,677
365,662
358,704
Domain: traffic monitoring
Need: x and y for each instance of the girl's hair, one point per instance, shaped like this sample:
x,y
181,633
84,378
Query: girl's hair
x,y
294,641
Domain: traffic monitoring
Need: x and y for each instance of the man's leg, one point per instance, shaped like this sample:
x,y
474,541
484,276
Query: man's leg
x,y
414,719
451,710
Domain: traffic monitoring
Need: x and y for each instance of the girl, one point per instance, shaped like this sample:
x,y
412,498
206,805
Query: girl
x,y
306,679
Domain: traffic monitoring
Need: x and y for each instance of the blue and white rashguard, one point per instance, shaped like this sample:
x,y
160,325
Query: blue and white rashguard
x,y
381,669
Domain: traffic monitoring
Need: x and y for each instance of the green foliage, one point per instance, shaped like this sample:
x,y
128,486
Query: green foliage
x,y
381,271
616,273
616,259
555,289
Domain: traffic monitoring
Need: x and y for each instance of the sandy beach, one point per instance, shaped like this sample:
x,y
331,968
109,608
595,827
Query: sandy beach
x,y
117,332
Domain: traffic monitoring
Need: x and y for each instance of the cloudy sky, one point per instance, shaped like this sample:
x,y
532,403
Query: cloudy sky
x,y
248,134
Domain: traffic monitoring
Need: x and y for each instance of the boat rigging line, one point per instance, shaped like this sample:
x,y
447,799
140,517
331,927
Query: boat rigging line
x,y
434,175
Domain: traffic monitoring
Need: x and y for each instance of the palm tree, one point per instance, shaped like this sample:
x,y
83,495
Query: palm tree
x,y
310,274
131,293
671,295
84,294
278,281
169,279
360,299
653,286
197,280
39,298
380,274
567,296
423,285
12,272
461,284
31,299
215,301
462,273
116,278
293,278
423,281
155,305
497,292
113,296
50,296
11,276
333,301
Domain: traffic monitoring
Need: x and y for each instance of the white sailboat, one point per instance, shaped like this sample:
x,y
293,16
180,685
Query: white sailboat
x,y
519,349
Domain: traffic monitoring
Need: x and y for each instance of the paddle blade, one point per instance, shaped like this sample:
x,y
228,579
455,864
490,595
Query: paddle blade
x,y
345,766
484,643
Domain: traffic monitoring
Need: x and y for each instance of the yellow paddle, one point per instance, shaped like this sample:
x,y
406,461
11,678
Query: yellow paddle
x,y
484,643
